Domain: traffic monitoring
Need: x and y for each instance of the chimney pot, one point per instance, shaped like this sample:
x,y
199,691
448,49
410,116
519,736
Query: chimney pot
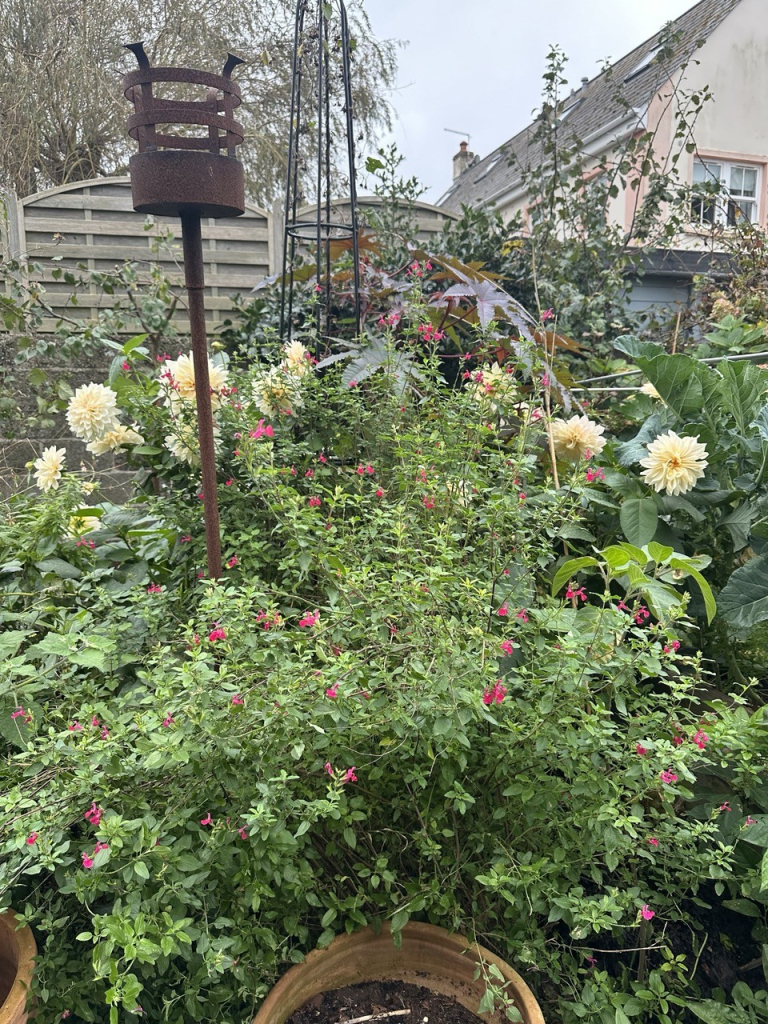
x,y
463,159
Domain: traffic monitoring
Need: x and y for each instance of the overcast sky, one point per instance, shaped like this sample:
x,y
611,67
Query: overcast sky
x,y
476,65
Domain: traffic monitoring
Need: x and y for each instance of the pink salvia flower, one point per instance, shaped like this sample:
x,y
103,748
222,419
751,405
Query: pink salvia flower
x,y
579,594
332,691
31,838
242,833
641,615
595,474
349,775
507,646
93,814
725,807
428,502
495,694
233,561
652,841
217,634
647,913
99,847
237,699
640,750
667,777
154,588
87,861
310,619
315,501
523,615
503,611
750,821
207,820
168,721
104,734
95,722
25,716
379,493
75,727
701,739
328,767
548,314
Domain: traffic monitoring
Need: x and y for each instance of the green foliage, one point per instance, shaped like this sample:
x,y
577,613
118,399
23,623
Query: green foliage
x,y
384,710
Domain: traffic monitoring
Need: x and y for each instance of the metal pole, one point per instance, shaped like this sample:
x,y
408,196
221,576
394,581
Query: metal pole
x,y
194,279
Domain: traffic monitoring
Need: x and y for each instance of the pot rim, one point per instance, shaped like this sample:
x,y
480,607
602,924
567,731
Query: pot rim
x,y
451,942
24,940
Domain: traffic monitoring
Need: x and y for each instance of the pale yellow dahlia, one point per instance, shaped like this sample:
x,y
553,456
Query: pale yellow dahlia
x,y
92,411
492,387
674,464
118,437
49,467
650,390
184,443
80,524
577,438
296,359
178,377
277,392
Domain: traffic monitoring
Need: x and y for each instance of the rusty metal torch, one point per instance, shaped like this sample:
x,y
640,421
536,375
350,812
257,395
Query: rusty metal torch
x,y
189,177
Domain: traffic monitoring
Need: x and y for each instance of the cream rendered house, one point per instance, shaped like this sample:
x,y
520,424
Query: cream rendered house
x,y
719,44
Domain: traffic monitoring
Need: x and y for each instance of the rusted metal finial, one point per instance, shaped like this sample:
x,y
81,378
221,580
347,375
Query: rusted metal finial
x,y
189,177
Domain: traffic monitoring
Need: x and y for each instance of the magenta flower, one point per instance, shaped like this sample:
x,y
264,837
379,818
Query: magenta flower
x,y
523,615
125,365
503,611
572,594
95,722
700,739
315,501
168,721
595,474
93,814
310,619
750,821
217,634
75,727
31,838
641,615
652,841
104,734
494,694
237,699
640,750
207,820
25,716
242,833
233,561
725,807
99,847
428,502
507,646
332,691
647,913
328,767
379,493
667,777
154,588
87,861
548,314
349,775
672,648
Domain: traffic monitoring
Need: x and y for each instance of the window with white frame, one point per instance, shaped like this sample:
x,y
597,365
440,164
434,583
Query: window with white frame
x,y
724,194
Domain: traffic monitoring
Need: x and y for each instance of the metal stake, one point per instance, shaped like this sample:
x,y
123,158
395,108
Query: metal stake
x,y
194,279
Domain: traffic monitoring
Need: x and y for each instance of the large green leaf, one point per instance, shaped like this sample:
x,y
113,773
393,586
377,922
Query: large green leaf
x,y
568,570
630,452
639,518
684,565
744,599
738,523
742,389
684,383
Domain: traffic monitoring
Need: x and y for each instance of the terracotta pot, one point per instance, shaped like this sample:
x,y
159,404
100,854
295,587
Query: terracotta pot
x,y
17,953
429,956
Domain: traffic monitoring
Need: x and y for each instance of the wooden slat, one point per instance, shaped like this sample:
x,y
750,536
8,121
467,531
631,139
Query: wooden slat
x,y
245,231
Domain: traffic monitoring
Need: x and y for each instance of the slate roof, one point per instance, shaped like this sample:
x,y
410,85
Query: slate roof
x,y
593,107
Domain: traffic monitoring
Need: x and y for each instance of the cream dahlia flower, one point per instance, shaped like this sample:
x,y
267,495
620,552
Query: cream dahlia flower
x,y
577,438
650,390
492,386
277,391
116,438
674,464
178,376
296,359
49,467
92,411
83,524
184,443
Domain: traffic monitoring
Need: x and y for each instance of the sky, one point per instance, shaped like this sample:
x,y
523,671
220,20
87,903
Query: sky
x,y
476,65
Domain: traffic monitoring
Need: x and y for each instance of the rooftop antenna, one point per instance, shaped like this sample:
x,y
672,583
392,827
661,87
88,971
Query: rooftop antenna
x,y
454,132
